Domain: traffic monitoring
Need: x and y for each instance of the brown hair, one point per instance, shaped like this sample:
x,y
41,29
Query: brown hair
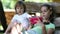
x,y
21,3
51,8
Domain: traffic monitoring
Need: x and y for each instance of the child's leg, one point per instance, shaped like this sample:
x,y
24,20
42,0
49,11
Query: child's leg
x,y
16,29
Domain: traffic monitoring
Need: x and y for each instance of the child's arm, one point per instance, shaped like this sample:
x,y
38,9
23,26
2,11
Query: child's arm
x,y
9,28
11,24
30,26
44,29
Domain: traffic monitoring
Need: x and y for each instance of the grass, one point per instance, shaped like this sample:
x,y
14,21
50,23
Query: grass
x,y
1,28
1,33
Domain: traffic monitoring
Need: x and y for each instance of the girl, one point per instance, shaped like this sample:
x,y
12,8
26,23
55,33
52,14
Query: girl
x,y
46,26
21,16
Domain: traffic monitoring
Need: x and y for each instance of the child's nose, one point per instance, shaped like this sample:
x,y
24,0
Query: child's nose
x,y
43,12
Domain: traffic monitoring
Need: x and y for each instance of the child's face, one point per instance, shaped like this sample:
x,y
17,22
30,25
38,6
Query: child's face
x,y
45,12
19,9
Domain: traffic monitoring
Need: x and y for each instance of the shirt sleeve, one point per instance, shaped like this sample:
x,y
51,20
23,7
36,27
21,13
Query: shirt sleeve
x,y
51,26
27,15
13,19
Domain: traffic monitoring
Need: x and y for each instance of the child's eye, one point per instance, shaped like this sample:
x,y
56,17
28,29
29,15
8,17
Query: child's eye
x,y
21,8
45,10
18,8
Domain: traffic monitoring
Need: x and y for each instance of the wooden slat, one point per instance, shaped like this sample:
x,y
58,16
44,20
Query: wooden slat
x,y
9,16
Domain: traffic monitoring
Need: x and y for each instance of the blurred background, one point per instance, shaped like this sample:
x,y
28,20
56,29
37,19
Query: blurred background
x,y
33,6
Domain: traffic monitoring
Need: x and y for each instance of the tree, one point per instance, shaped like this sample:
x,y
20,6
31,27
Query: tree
x,y
2,17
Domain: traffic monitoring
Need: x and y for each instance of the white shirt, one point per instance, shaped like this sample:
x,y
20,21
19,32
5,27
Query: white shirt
x,y
23,19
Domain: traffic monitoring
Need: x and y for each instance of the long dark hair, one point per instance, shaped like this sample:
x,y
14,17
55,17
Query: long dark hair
x,y
51,8
21,3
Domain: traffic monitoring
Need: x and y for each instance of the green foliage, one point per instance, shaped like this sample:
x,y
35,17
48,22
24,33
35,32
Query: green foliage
x,y
8,4
38,1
